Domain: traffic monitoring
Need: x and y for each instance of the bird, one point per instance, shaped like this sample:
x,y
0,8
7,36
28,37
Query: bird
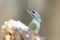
x,y
35,22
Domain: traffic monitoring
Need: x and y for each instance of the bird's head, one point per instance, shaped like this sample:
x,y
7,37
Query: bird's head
x,y
34,14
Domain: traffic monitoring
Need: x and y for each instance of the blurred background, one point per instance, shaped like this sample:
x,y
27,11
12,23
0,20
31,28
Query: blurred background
x,y
48,9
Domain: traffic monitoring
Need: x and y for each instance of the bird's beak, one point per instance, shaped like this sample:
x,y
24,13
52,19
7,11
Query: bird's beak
x,y
30,12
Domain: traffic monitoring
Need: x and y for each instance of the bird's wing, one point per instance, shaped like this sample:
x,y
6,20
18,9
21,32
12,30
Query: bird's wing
x,y
32,26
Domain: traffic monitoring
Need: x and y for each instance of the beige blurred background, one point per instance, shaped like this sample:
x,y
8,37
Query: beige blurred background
x,y
49,11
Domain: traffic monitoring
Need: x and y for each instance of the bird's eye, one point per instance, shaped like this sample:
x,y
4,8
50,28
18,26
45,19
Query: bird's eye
x,y
33,12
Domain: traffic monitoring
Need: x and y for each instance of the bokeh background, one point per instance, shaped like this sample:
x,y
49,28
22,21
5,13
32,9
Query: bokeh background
x,y
49,11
